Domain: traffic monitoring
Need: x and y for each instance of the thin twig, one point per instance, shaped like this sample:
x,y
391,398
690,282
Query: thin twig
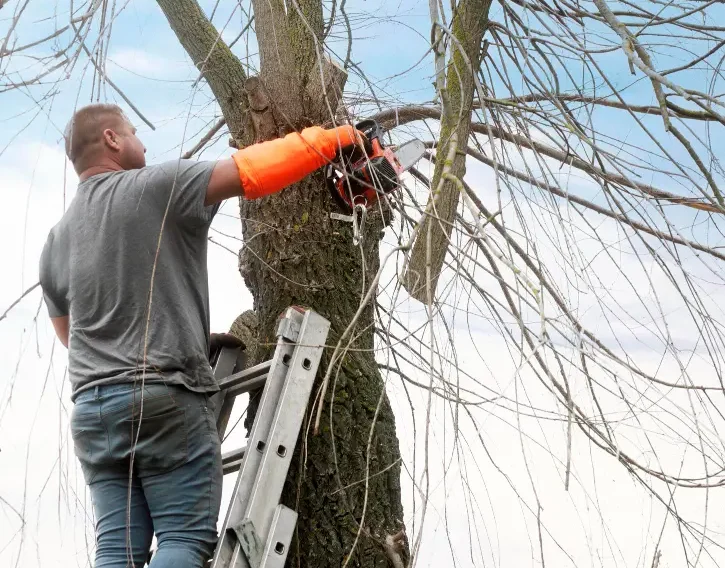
x,y
18,300
204,139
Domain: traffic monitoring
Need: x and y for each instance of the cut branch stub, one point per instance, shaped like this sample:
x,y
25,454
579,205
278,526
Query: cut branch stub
x,y
245,327
262,115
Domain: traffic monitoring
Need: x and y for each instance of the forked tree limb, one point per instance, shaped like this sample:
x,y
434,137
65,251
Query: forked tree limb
x,y
289,35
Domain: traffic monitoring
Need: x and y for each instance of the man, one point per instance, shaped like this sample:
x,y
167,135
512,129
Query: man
x,y
124,278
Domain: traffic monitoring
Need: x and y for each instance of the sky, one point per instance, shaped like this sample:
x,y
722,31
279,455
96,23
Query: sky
x,y
487,469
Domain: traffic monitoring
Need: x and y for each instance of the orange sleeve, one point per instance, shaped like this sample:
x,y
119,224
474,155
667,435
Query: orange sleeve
x,y
269,167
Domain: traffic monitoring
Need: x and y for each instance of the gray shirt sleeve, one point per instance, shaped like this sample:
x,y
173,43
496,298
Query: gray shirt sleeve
x,y
55,297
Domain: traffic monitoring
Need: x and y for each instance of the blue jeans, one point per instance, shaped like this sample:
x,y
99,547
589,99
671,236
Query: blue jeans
x,y
169,484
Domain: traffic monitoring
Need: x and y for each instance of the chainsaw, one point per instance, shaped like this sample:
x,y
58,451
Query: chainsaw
x,y
362,176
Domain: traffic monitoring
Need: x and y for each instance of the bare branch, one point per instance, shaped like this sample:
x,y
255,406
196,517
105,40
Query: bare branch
x,y
675,109
594,207
219,66
411,113
204,139
18,300
115,87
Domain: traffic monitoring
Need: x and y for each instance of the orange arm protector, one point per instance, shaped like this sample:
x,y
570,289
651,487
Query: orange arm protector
x,y
269,167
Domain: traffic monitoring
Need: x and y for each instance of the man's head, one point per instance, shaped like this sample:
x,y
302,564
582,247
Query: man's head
x,y
100,135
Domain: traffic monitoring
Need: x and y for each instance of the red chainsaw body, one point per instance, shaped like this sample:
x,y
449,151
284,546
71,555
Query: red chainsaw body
x,y
361,178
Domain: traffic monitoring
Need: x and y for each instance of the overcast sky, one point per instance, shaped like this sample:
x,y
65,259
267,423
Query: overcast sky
x,y
486,473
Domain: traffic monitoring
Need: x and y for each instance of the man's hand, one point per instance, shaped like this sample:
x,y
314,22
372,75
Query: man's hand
x,y
219,340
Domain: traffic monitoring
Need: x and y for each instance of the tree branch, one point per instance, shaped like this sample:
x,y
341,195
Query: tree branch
x,y
456,93
412,113
675,109
112,84
220,68
17,301
593,206
204,139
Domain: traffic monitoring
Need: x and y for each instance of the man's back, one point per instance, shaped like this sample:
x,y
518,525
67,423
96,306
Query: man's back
x,y
137,297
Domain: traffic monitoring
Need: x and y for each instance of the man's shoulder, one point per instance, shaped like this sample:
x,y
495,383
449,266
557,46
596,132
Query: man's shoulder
x,y
171,167
167,172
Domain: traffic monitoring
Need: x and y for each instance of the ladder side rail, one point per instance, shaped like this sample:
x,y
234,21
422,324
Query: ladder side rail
x,y
228,549
284,433
280,538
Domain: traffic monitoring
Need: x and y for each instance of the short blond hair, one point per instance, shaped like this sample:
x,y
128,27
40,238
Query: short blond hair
x,y
84,133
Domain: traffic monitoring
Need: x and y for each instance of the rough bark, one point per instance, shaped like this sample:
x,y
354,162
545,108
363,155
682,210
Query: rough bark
x,y
470,21
288,48
295,254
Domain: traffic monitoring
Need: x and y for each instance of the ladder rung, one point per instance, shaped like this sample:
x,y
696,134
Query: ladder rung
x,y
247,380
231,461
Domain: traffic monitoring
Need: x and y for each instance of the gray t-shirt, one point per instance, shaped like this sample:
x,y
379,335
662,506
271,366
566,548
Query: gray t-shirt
x,y
127,316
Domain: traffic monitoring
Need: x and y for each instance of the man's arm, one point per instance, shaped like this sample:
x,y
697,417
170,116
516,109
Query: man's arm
x,y
269,167
223,183
61,326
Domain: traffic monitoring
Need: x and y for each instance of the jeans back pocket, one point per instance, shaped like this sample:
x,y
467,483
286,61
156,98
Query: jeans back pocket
x,y
161,436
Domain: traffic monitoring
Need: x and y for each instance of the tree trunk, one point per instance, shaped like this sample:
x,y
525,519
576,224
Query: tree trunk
x,y
295,254
470,21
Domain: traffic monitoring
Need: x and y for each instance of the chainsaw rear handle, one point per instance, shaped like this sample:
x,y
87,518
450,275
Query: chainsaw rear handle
x,y
374,133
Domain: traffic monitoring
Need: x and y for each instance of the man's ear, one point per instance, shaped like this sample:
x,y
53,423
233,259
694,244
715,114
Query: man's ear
x,y
110,138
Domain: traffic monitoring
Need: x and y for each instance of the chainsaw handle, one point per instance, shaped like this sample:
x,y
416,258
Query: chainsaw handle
x,y
371,129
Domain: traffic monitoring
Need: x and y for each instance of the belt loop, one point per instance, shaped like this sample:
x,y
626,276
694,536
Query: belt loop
x,y
95,392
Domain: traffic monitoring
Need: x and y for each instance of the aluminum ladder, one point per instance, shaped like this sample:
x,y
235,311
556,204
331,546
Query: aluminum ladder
x,y
258,529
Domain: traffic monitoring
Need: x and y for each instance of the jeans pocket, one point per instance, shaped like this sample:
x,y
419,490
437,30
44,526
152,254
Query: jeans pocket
x,y
162,442
88,443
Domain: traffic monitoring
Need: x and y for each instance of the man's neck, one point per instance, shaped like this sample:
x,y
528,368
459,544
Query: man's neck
x,y
99,169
